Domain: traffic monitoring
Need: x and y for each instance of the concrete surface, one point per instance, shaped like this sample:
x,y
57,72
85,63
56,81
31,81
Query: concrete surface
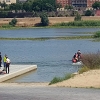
x,y
29,92
16,70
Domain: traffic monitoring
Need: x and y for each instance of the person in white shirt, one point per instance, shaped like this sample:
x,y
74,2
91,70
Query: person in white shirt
x,y
7,65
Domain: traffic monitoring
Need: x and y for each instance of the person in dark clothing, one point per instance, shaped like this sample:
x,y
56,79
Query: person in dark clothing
x,y
75,58
0,59
7,65
79,55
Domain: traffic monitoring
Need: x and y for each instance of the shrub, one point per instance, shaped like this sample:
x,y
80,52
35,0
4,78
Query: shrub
x,y
83,69
97,34
3,14
6,26
55,80
81,23
13,22
91,60
77,17
44,19
58,79
88,13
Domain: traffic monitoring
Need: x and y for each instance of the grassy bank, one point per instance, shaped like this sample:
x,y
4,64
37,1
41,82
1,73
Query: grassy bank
x,y
59,22
60,79
88,23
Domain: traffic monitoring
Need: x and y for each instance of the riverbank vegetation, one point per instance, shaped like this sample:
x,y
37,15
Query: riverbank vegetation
x,y
51,22
47,38
82,23
97,36
90,61
60,79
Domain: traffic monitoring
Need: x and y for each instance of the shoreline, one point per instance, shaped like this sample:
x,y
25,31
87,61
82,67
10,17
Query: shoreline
x,y
31,22
89,79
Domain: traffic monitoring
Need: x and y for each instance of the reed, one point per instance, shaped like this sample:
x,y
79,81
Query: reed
x,y
47,38
97,34
83,69
91,60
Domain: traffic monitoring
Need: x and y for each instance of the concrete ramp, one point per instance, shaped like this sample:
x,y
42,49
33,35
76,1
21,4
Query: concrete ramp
x,y
17,70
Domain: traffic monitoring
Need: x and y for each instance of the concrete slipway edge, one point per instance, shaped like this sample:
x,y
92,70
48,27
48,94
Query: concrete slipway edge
x,y
16,73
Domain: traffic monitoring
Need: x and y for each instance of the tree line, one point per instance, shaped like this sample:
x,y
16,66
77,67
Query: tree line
x,y
31,5
38,6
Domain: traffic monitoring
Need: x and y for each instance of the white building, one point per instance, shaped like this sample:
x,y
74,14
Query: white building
x,y
8,1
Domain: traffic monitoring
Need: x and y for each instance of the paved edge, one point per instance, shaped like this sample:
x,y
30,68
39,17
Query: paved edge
x,y
17,73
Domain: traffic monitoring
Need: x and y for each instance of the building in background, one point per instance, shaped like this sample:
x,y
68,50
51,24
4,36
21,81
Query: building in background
x,y
8,1
78,4
62,2
69,2
22,0
90,2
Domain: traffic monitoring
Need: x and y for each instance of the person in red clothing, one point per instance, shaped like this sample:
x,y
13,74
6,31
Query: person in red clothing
x,y
75,58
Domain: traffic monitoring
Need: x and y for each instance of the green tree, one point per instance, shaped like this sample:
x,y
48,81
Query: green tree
x,y
96,5
68,7
44,19
77,17
47,5
3,5
88,13
27,6
13,22
19,6
58,5
12,6
3,14
16,6
36,6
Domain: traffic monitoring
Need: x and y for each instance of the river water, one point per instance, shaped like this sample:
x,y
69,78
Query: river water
x,y
52,57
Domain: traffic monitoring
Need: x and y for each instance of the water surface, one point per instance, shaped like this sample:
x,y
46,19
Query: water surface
x,y
52,57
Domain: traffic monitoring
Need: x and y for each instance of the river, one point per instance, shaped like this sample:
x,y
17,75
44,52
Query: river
x,y
52,57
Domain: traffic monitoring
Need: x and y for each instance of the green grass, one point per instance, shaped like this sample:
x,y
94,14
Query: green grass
x,y
88,23
47,38
60,79
2,38
96,34
83,69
